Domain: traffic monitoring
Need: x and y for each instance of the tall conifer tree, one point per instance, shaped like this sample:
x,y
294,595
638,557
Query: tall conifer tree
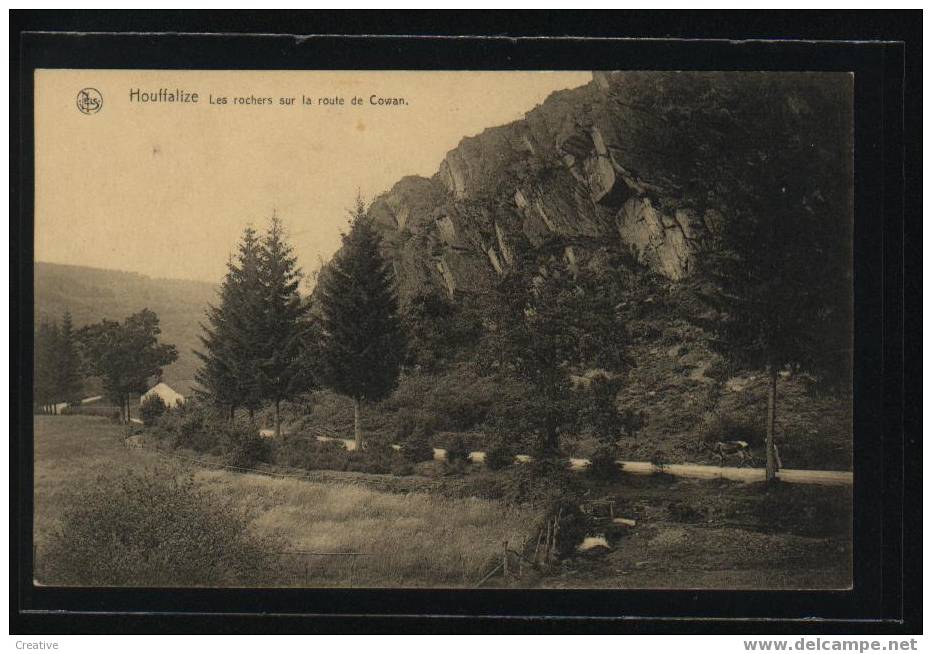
x,y
44,371
58,372
283,369
362,344
233,339
68,384
217,377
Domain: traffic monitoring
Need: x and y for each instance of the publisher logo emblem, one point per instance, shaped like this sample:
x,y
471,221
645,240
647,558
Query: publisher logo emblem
x,y
89,101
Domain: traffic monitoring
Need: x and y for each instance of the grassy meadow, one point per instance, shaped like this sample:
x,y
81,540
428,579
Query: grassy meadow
x,y
412,539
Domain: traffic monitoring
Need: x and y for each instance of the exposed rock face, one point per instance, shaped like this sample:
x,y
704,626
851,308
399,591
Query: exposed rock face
x,y
561,178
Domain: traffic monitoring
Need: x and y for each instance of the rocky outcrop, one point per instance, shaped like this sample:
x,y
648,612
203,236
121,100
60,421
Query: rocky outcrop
x,y
560,181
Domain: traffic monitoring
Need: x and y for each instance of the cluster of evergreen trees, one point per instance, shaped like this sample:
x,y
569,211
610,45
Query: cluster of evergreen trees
x,y
58,371
261,345
257,338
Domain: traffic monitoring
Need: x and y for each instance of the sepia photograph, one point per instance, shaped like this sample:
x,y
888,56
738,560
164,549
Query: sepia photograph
x,y
443,329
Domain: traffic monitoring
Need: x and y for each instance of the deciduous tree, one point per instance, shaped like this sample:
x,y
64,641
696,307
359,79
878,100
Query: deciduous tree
x,y
127,355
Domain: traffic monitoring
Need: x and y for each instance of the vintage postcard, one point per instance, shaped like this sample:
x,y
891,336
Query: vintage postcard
x,y
393,329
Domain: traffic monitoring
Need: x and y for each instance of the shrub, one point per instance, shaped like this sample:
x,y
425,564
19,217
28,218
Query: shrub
x,y
405,424
155,529
660,460
402,468
310,454
573,526
682,511
603,464
248,448
717,427
368,462
500,454
456,450
542,481
152,409
417,447
486,486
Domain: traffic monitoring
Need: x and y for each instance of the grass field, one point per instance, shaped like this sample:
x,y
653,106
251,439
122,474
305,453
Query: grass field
x,y
413,539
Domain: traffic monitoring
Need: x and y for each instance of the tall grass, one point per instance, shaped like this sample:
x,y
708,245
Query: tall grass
x,y
415,539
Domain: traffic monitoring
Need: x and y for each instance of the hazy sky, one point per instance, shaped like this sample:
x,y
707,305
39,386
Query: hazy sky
x,y
165,189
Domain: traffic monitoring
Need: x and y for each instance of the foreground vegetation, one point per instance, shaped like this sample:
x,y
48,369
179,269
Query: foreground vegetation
x,y
410,539
436,527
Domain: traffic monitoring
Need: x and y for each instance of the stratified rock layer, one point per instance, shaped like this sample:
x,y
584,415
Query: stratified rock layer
x,y
559,181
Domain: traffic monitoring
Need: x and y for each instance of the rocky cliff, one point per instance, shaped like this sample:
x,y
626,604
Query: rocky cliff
x,y
595,178
563,183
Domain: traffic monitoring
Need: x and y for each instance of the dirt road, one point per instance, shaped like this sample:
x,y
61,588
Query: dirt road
x,y
689,470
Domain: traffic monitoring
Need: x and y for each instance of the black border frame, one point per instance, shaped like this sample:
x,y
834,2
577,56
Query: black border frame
x,y
884,51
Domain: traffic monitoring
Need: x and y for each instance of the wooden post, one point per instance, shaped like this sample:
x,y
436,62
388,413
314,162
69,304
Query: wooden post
x,y
540,535
556,529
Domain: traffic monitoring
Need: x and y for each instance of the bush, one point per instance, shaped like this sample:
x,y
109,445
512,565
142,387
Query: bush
x,y
418,447
500,455
572,528
456,450
660,460
603,464
151,409
248,448
486,486
155,529
310,454
405,424
717,427
542,481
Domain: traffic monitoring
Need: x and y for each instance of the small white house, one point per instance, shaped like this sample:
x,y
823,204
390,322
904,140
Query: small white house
x,y
169,395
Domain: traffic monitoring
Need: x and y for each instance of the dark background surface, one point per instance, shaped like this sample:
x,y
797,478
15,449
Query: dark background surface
x,y
887,250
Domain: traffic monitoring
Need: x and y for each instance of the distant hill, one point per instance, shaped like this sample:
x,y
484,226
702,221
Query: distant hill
x,y
92,294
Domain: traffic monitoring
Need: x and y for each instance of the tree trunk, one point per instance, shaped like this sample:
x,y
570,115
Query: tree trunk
x,y
278,420
357,430
771,422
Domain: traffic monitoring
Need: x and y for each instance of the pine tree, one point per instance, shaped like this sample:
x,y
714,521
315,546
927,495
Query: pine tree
x,y
245,321
545,328
283,372
233,340
46,349
216,376
362,344
69,381
57,369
